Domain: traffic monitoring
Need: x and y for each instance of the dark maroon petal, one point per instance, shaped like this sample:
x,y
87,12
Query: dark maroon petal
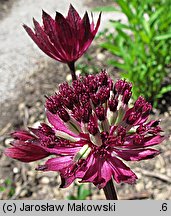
x,y
43,37
97,25
50,29
26,152
121,173
66,37
97,171
22,135
39,43
72,172
74,21
73,18
136,155
42,40
153,123
63,114
85,35
104,173
67,181
63,39
126,96
91,169
113,103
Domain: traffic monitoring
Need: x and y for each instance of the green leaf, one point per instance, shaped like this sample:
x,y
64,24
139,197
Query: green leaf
x,y
2,189
83,193
124,5
105,9
164,90
112,48
11,192
155,15
71,197
144,37
8,181
123,34
146,27
119,25
162,37
117,64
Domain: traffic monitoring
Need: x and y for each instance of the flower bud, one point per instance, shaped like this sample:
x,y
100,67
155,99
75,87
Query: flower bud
x,y
100,112
63,114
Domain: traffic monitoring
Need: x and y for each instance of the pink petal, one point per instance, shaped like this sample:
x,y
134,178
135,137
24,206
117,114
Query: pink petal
x,y
63,150
67,181
153,140
58,163
136,155
26,152
104,174
121,173
58,124
76,171
91,169
148,141
97,171
152,123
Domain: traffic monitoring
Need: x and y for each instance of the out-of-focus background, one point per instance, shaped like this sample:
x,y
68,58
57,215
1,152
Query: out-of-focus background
x,y
135,45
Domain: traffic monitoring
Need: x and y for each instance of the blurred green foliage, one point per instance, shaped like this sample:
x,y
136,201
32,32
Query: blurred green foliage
x,y
7,187
142,45
82,193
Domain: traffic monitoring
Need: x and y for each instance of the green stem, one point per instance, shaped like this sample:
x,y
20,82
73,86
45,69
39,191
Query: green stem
x,y
71,66
110,191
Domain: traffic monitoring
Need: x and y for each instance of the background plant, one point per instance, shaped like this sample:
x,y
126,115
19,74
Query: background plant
x,y
7,187
81,194
143,45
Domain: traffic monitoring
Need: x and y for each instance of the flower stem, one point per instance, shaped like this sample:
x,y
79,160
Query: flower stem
x,y
71,66
110,191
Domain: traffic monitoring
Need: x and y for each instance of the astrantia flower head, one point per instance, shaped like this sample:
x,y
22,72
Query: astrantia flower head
x,y
64,39
92,131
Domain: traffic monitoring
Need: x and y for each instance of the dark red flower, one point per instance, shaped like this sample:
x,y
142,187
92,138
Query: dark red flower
x,y
64,39
93,131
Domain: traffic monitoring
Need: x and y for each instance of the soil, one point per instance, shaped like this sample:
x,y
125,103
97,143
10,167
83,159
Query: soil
x,y
21,181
